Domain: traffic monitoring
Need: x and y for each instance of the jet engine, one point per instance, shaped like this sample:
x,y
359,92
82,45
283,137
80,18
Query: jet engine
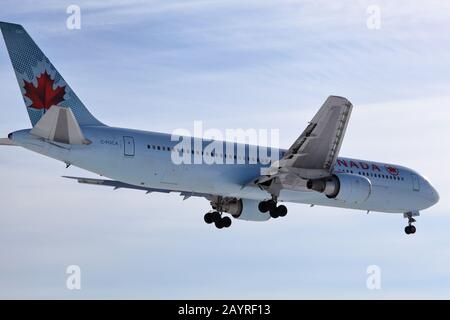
x,y
244,209
342,186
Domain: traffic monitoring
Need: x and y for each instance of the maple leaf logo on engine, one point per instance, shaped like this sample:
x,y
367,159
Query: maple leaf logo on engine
x,y
44,96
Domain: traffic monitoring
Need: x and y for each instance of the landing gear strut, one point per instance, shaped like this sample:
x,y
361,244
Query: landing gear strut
x,y
271,206
410,229
216,218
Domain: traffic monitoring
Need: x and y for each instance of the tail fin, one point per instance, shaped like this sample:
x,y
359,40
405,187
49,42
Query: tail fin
x,y
40,83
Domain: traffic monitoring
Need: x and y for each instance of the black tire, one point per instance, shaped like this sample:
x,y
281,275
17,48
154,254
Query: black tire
x,y
263,207
407,230
412,230
219,224
272,205
215,216
226,222
208,218
274,213
282,210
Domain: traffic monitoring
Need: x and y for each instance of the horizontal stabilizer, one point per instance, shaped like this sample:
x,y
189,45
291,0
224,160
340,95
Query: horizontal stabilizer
x,y
59,125
6,142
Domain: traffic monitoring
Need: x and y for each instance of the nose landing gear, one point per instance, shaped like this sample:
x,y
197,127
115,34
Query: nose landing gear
x,y
410,229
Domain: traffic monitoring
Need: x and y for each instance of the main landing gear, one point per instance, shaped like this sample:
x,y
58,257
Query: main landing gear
x,y
410,229
271,206
216,218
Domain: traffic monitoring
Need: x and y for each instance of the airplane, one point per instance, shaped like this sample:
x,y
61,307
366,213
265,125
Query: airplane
x,y
250,188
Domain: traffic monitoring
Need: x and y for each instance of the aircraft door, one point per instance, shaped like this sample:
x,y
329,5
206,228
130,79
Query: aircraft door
x,y
128,146
415,182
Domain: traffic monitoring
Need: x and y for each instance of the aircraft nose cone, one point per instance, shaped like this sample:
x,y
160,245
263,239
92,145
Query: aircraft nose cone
x,y
434,195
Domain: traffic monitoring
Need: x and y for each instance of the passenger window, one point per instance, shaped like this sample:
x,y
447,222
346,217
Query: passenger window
x,y
159,148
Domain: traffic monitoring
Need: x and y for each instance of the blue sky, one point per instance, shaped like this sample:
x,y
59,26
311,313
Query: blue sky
x,y
161,65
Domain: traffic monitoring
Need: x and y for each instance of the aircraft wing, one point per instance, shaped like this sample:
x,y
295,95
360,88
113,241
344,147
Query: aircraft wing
x,y
122,185
317,148
313,155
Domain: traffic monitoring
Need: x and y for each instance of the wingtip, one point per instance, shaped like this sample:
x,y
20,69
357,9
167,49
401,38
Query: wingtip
x,y
340,98
337,97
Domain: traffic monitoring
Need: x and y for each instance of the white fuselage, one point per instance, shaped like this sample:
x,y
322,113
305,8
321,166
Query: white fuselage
x,y
142,158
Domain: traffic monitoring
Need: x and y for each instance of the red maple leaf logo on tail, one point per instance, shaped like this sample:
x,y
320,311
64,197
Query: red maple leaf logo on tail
x,y
44,96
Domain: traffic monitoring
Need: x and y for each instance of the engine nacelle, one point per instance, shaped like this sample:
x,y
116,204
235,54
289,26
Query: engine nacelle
x,y
243,209
343,186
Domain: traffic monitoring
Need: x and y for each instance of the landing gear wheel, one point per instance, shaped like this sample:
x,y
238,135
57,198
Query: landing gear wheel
x,y
410,229
226,221
272,205
215,216
268,205
282,211
274,213
208,218
219,224
407,229
263,206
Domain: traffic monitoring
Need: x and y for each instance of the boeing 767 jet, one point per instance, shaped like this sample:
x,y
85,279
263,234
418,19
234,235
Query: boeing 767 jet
x,y
236,183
